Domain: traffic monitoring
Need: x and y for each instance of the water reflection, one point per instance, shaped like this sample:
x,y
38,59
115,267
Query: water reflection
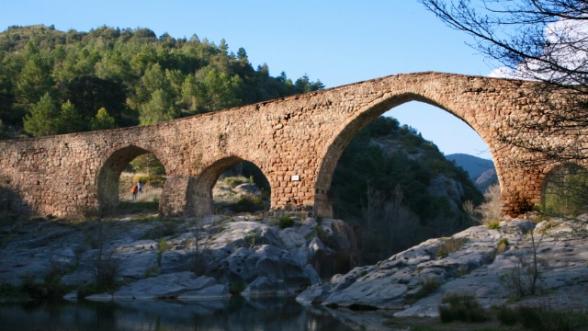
x,y
236,314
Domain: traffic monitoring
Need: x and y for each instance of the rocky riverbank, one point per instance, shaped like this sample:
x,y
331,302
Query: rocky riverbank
x,y
252,256
494,265
184,259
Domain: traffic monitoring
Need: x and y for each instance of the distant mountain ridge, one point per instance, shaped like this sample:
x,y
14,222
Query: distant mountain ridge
x,y
481,171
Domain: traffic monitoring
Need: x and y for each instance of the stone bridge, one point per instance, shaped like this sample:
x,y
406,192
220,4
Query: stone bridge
x,y
295,141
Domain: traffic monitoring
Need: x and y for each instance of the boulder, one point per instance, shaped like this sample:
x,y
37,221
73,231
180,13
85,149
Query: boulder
x,y
171,285
269,287
136,259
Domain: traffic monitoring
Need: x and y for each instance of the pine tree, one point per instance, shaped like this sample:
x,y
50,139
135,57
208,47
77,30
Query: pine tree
x,y
34,80
190,93
103,120
158,109
69,119
42,118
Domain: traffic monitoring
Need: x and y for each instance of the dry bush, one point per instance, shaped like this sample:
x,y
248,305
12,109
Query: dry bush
x,y
491,209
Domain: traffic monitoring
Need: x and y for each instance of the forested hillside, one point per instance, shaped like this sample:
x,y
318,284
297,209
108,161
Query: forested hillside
x,y
58,82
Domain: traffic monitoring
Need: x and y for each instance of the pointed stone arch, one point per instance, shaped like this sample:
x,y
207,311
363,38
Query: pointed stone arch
x,y
348,129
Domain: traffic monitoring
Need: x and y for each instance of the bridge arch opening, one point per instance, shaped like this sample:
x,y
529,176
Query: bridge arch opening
x,y
565,191
231,185
395,187
130,181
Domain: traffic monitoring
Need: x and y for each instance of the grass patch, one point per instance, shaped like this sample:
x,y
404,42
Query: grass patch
x,y
133,207
492,223
449,246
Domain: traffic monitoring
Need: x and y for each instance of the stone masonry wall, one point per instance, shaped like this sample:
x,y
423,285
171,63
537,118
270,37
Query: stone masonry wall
x,y
295,141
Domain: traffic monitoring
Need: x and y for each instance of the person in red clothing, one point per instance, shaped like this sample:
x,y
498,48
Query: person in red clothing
x,y
135,190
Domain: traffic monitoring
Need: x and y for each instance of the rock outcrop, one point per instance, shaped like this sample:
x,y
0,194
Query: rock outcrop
x,y
182,259
494,265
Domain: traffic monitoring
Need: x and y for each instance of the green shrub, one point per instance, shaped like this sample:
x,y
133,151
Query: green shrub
x,y
541,319
234,181
106,272
463,308
8,291
507,316
248,203
450,245
285,221
163,246
492,223
252,238
236,287
50,289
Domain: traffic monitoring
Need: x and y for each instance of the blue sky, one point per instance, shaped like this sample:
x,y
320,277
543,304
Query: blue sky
x,y
337,42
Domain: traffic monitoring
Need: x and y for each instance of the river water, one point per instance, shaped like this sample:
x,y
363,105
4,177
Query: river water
x,y
235,314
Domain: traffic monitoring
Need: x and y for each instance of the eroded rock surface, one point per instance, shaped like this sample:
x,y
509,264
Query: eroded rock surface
x,y
478,261
186,259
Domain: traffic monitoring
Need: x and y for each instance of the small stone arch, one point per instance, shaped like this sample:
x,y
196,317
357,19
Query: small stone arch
x,y
200,192
345,133
108,178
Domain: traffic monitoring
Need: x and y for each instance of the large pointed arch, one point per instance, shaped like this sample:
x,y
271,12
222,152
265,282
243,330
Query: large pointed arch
x,y
348,129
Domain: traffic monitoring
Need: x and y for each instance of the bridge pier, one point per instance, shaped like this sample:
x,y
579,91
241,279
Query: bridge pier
x,y
174,198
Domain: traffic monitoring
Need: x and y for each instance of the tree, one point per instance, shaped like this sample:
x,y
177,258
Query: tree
x,y
190,93
3,130
69,119
539,39
218,89
34,80
41,120
303,85
544,40
158,109
89,93
103,120
120,70
153,79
